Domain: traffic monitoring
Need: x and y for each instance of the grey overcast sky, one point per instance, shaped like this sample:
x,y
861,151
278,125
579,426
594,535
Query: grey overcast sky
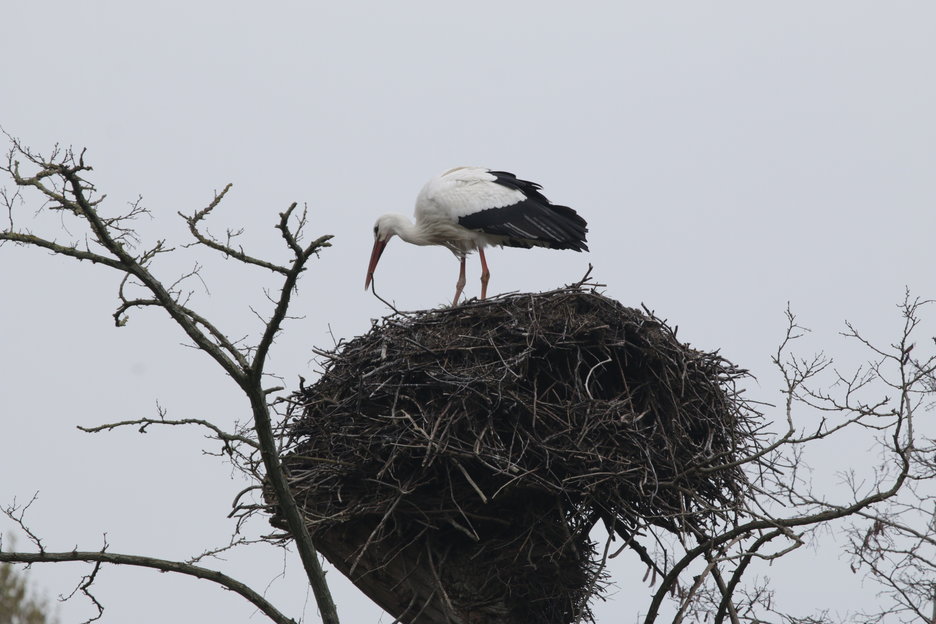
x,y
730,157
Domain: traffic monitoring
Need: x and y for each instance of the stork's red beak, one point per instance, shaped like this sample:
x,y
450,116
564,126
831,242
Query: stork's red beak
x,y
379,246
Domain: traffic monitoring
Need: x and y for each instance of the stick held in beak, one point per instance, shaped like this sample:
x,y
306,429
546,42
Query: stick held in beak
x,y
379,246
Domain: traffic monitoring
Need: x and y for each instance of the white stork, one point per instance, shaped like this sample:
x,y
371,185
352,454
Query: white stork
x,y
469,208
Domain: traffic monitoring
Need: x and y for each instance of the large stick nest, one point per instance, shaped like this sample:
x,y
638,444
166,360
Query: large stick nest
x,y
453,462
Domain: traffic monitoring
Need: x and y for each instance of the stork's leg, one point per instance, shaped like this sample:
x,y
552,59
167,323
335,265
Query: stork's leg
x,y
460,284
485,275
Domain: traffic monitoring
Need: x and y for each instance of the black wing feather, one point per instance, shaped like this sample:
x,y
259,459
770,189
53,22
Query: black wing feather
x,y
534,221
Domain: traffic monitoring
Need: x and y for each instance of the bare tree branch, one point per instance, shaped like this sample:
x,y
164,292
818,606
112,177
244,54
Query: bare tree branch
x,y
144,423
162,565
60,180
195,220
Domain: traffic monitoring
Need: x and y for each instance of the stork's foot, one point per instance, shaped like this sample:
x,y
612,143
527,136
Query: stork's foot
x,y
459,288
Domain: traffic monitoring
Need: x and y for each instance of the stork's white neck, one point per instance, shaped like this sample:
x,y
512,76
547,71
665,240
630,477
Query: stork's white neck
x,y
404,228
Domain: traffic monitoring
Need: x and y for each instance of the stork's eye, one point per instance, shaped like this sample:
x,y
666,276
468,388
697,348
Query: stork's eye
x,y
375,231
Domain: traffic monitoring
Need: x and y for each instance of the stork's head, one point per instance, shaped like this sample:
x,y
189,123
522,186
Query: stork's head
x,y
384,229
